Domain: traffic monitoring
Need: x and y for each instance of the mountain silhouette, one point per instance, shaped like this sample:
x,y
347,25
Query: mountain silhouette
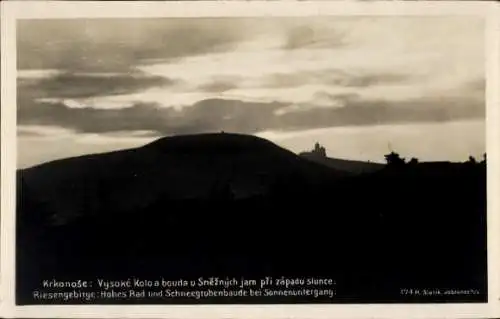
x,y
223,204
179,167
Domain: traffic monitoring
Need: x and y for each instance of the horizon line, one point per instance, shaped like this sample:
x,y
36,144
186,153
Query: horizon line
x,y
381,161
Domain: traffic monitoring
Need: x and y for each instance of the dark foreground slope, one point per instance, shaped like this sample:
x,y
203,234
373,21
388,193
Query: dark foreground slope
x,y
232,205
349,166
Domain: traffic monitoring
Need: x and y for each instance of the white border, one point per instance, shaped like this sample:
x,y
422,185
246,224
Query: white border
x,y
493,144
46,9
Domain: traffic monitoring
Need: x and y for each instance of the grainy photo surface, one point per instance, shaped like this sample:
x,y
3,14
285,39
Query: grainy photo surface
x,y
276,160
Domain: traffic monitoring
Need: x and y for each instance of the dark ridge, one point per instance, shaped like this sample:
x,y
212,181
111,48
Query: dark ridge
x,y
214,142
354,167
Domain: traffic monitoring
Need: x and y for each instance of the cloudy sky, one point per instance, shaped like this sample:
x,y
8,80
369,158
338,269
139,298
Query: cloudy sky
x,y
358,85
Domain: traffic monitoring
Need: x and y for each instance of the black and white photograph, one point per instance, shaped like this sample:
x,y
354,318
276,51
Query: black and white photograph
x,y
251,160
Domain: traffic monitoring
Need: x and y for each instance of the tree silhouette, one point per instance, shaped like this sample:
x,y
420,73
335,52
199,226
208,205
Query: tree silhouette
x,y
413,161
394,159
472,160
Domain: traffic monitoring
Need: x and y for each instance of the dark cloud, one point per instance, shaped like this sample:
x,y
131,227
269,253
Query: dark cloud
x,y
71,85
117,44
207,115
237,116
24,133
220,85
374,112
370,79
334,77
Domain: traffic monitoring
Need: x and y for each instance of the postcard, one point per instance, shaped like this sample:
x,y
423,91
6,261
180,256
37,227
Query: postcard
x,y
250,159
